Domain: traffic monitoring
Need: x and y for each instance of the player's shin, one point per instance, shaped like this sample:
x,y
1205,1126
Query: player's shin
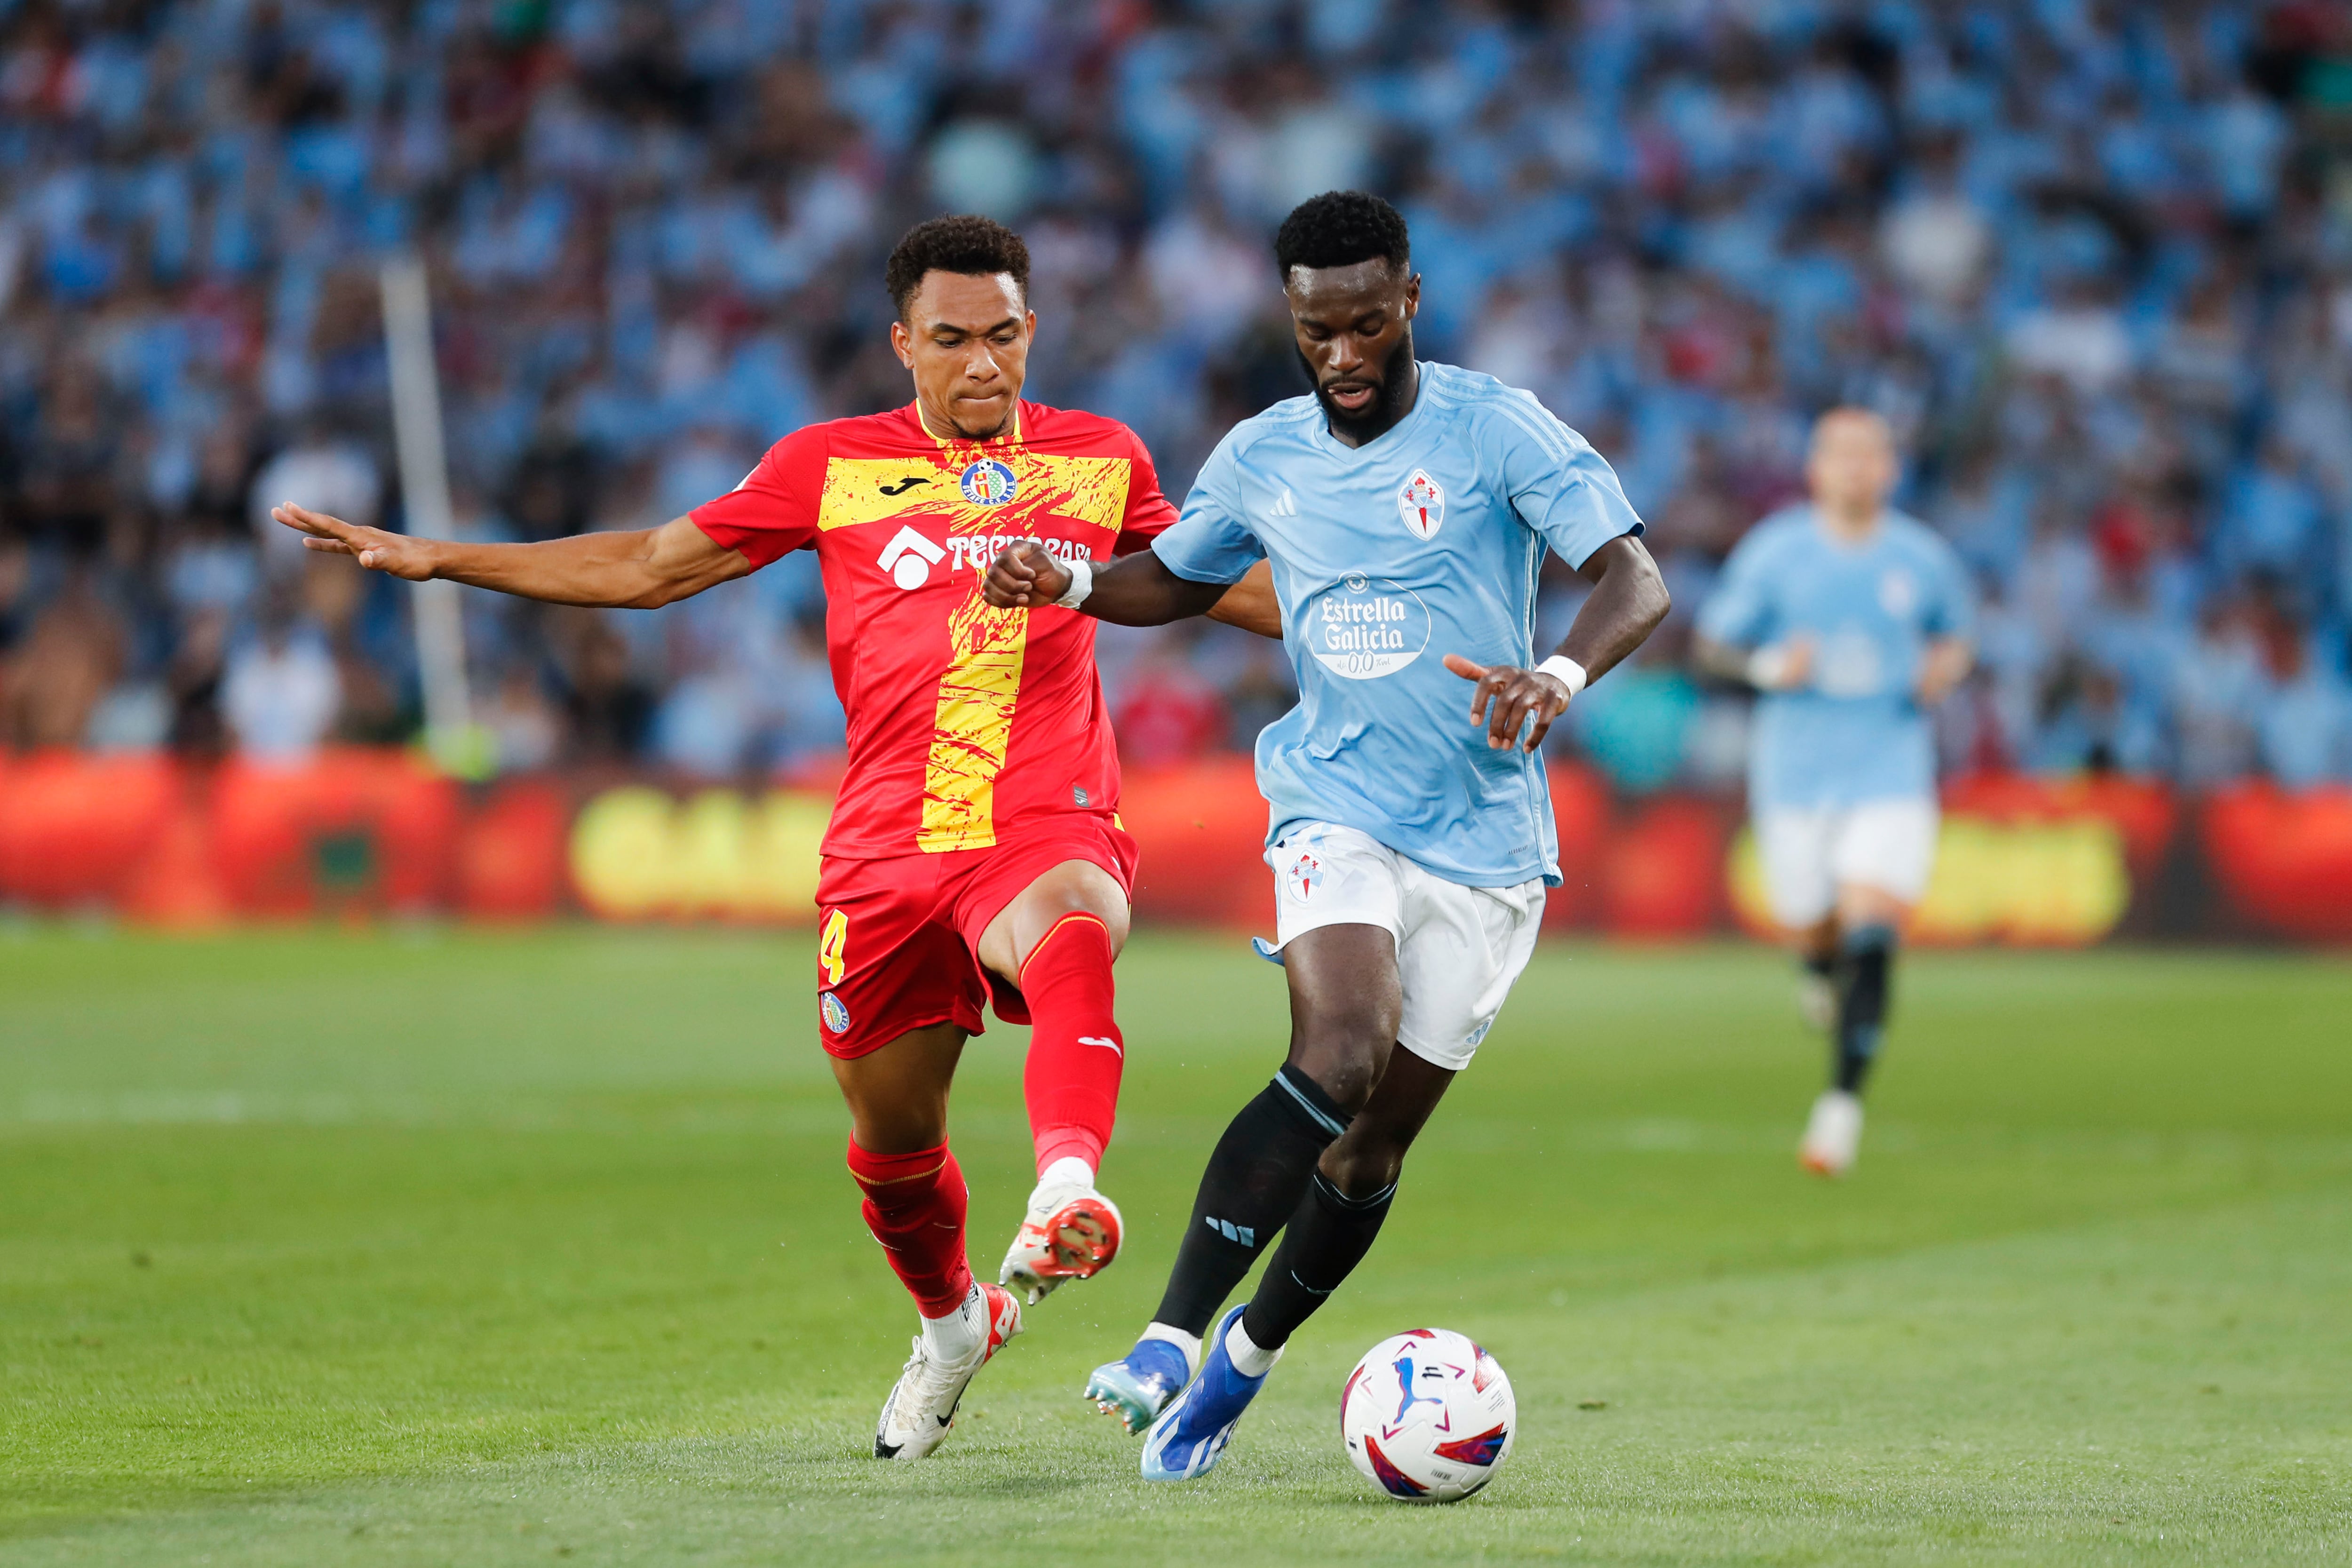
x,y
1251,1188
1865,960
1326,1239
1076,1054
915,1207
1076,1050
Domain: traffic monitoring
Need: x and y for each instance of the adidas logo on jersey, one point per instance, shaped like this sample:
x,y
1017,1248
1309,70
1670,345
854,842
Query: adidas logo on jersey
x,y
1287,506
908,558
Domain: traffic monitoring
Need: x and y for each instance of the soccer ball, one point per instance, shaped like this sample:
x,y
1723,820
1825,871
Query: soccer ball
x,y
1428,1415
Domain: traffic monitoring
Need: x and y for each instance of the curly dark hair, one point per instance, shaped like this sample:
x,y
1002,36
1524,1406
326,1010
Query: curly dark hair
x,y
964,243
1340,228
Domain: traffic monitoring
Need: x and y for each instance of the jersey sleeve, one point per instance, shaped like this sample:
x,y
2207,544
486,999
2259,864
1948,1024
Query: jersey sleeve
x,y
774,511
1739,610
1952,599
1150,512
1211,542
1559,486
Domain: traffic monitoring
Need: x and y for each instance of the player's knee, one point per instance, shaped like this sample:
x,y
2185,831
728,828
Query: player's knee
x,y
897,1129
1345,1056
1360,1167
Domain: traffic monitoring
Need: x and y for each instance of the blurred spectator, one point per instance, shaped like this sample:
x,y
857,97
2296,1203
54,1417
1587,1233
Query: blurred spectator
x,y
280,690
55,677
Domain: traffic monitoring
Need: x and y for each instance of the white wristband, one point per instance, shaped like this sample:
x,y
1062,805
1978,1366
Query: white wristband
x,y
1767,669
1082,582
1564,670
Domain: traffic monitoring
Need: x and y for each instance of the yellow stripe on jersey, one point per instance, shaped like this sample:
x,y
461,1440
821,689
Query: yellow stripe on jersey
x,y
875,489
972,726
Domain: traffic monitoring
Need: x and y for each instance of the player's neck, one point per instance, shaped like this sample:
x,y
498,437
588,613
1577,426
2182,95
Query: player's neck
x,y
940,428
1853,525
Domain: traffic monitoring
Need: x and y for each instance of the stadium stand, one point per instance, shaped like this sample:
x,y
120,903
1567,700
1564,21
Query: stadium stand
x,y
2093,260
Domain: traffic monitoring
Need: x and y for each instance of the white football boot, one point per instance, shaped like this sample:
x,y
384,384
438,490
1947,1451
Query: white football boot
x,y
1071,1232
922,1403
1832,1135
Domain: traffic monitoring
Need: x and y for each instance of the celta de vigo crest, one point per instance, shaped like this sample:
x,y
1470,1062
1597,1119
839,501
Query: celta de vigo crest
x,y
1421,503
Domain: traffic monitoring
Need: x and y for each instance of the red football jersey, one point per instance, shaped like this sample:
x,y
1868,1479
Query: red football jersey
x,y
964,719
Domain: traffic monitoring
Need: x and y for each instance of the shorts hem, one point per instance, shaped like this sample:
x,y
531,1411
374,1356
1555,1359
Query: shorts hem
x,y
866,1047
1459,1058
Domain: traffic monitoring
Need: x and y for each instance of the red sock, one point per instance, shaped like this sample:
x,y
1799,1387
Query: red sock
x,y
914,1206
1076,1051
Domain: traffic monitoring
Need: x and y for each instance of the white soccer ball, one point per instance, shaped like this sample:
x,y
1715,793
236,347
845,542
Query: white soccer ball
x,y
1428,1415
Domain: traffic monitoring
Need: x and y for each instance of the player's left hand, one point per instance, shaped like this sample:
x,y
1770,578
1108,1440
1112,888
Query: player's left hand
x,y
1505,697
1023,576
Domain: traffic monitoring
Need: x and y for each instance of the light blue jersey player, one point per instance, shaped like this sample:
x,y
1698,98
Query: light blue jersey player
x,y
1406,508
1853,621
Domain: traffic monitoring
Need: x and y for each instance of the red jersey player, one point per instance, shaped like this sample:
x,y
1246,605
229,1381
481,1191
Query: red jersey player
x,y
975,852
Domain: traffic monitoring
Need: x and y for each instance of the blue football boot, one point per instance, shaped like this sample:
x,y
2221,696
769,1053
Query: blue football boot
x,y
1194,1430
1139,1385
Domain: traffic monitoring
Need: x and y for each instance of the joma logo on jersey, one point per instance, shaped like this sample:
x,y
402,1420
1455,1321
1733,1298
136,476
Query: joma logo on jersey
x,y
1421,501
908,558
988,482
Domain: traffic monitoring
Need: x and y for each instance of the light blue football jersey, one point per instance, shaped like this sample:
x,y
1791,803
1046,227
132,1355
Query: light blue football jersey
x,y
1386,558
1854,733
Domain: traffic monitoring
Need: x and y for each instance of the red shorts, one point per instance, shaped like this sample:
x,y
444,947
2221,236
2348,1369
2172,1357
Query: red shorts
x,y
898,940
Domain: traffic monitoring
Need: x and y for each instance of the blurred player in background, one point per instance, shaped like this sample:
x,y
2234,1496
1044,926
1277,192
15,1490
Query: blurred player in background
x,y
1406,508
1852,620
975,852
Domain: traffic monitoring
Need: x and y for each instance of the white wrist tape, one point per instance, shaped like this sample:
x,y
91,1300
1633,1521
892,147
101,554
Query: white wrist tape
x,y
1564,670
1767,669
1082,582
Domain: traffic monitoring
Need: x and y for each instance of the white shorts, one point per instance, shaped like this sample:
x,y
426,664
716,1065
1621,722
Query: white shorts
x,y
1458,948
1808,851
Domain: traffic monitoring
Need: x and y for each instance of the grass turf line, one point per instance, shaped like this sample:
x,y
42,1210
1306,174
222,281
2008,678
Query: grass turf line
x,y
433,1248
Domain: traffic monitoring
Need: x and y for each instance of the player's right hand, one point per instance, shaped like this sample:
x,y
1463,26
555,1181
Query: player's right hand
x,y
377,549
1785,666
1023,576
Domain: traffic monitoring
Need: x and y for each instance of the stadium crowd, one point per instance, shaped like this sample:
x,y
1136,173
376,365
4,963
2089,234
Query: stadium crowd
x,y
2093,260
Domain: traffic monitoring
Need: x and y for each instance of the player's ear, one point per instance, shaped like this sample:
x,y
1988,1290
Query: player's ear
x,y
1412,296
902,343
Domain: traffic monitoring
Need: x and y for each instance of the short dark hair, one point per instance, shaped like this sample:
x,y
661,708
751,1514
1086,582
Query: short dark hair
x,y
963,243
1340,228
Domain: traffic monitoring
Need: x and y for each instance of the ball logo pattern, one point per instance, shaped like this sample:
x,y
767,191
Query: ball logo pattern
x,y
1428,1415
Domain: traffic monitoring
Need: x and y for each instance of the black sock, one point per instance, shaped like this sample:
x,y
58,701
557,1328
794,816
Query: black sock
x,y
1866,955
1823,965
1255,1175
1325,1241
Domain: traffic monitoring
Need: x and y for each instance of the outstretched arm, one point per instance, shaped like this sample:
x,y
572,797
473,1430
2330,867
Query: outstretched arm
x,y
1135,590
1945,665
642,570
1627,602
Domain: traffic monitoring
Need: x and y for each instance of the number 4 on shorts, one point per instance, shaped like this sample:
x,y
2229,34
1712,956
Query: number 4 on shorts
x,y
832,945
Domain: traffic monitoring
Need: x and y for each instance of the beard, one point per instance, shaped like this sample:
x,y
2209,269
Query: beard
x,y
1387,405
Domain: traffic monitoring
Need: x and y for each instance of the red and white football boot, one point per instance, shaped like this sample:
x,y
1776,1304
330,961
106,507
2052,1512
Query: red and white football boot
x,y
1071,1232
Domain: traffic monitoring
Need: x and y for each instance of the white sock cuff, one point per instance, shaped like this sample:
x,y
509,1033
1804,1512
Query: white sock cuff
x,y
1188,1344
964,1312
1248,1357
1067,1171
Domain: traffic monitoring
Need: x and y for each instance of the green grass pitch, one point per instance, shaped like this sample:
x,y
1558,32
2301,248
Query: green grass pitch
x,y
442,1248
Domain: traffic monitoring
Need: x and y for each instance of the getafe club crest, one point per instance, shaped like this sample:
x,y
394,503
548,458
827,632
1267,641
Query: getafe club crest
x,y
1422,504
837,1017
988,482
